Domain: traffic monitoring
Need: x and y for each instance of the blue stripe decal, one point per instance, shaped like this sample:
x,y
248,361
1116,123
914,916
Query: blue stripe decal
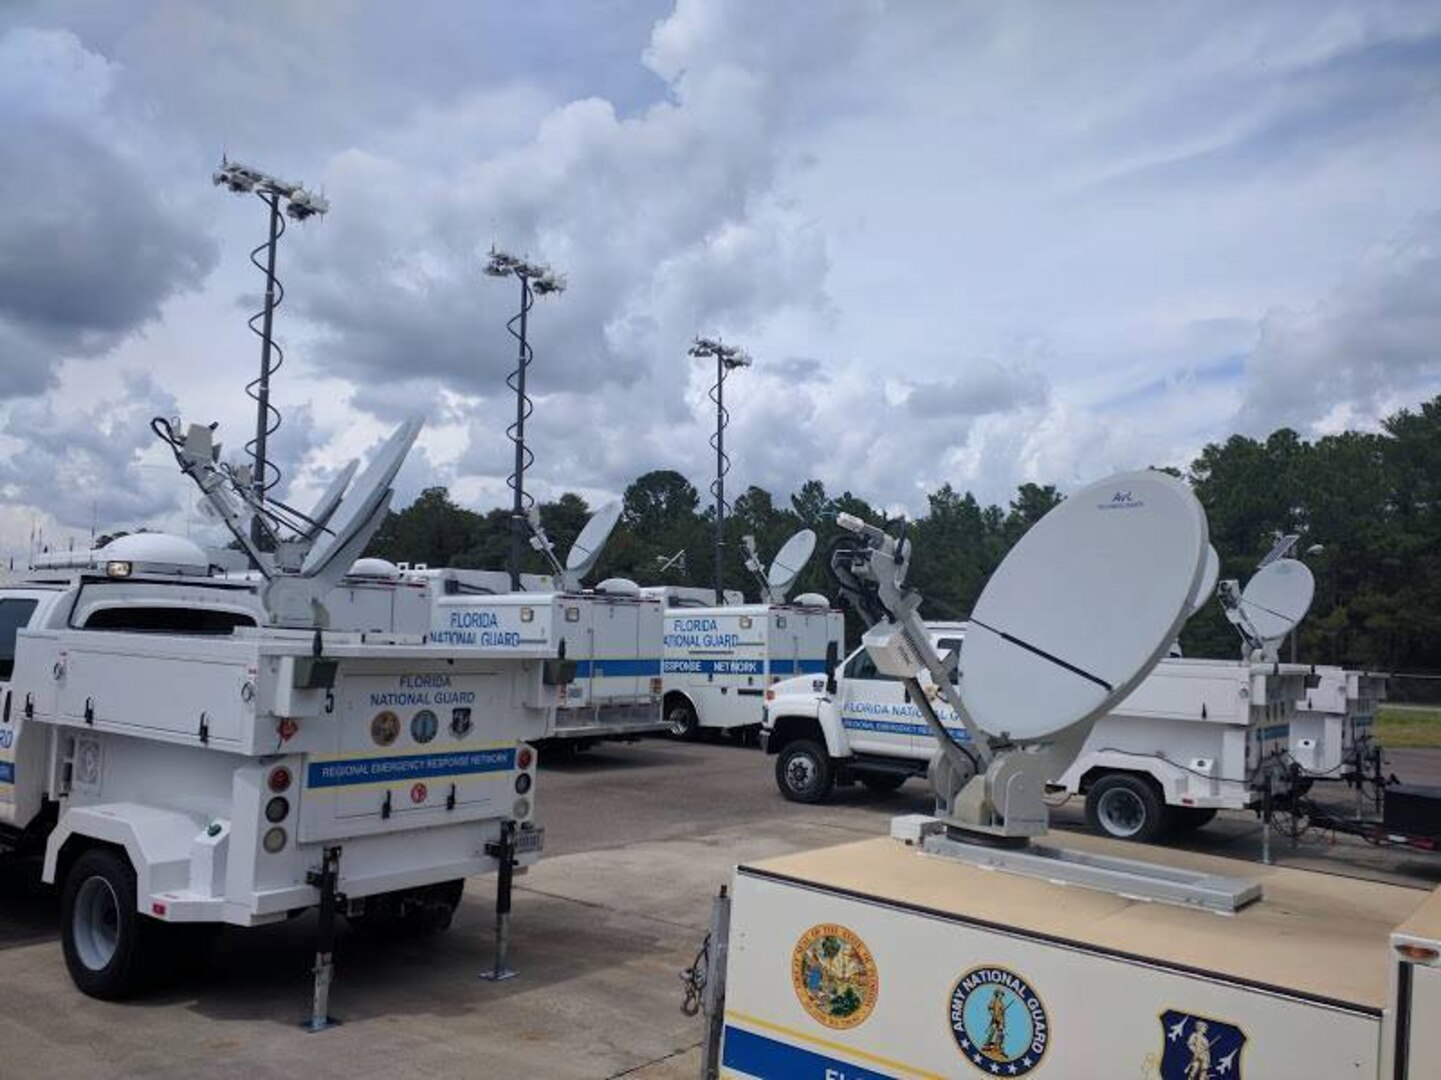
x,y
742,667
7,772
617,669
1276,731
756,1055
323,774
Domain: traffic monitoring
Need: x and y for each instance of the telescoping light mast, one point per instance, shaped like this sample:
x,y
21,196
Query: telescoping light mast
x,y
535,280
727,359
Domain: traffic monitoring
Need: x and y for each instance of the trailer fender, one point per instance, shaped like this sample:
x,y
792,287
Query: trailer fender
x,y
157,842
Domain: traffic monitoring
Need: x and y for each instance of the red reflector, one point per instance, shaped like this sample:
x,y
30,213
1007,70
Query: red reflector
x,y
418,793
770,695
1419,953
279,779
286,729
157,908
524,757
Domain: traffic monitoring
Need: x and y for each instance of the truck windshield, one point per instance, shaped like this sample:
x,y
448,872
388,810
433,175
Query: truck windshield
x,y
14,613
861,666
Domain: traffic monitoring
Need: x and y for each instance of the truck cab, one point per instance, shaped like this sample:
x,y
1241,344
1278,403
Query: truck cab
x,y
851,723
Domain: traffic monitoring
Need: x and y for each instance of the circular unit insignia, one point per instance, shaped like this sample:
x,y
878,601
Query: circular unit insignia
x,y
385,728
998,1021
834,976
423,726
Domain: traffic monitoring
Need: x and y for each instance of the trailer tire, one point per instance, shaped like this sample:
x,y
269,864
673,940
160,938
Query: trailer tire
x,y
684,724
804,773
108,945
1127,807
882,781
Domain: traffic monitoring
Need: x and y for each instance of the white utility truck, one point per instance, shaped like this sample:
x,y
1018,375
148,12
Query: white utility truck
x,y
189,751
965,946
718,660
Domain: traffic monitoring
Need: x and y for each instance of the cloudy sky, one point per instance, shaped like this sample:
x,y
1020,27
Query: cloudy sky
x,y
969,242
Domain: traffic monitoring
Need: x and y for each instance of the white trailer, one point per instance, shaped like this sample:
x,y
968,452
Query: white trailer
x,y
717,662
1335,723
870,961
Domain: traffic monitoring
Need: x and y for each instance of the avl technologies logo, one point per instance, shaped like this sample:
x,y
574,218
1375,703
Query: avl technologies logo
x,y
1122,500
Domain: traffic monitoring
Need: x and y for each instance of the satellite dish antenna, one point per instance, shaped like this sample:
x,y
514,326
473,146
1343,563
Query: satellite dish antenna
x,y
1279,550
1277,598
1083,607
585,552
370,495
787,565
331,499
1207,585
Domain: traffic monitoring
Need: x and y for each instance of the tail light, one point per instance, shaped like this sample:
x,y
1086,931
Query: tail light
x,y
522,783
279,779
655,685
524,757
277,809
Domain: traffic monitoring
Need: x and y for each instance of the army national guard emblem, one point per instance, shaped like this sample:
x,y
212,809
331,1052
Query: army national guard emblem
x,y
834,976
998,1022
1199,1048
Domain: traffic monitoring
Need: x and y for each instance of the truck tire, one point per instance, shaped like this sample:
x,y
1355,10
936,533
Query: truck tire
x,y
108,945
804,773
882,781
684,724
1127,807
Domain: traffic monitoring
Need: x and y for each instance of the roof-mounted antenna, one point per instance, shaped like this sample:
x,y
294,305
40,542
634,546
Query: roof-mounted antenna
x,y
585,552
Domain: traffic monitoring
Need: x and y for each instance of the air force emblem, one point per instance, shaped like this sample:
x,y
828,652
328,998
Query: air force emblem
x,y
1199,1048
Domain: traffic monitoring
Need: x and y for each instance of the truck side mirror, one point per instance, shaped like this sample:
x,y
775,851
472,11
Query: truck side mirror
x,y
832,657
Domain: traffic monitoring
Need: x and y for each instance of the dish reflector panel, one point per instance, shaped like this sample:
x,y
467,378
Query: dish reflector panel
x,y
1209,576
331,499
359,504
585,552
1083,606
1277,598
790,560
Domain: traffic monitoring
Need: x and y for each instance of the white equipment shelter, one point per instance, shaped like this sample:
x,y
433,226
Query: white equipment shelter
x,y
961,947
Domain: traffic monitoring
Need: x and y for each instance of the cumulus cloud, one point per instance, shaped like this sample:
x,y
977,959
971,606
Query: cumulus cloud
x,y
1371,344
88,252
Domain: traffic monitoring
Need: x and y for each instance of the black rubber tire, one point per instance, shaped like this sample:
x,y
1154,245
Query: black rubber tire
x,y
1133,800
1185,819
133,965
882,781
684,724
804,773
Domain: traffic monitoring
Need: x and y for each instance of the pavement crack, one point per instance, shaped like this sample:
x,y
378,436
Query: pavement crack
x,y
654,1061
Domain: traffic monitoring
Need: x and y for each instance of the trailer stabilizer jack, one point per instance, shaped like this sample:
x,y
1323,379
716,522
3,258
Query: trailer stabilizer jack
x,y
503,850
326,879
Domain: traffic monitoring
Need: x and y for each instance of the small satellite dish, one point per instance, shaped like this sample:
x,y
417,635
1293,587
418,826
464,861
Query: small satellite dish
x,y
585,552
357,508
1083,606
374,569
788,564
1279,550
812,600
1207,584
1277,598
331,499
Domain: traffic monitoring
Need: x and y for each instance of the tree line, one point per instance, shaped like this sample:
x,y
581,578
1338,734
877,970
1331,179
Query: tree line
x,y
1367,506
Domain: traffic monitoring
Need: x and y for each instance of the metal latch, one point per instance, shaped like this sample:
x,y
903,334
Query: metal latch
x,y
90,711
385,807
204,731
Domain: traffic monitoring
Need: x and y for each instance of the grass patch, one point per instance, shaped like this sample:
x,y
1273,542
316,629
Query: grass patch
x,y
1408,728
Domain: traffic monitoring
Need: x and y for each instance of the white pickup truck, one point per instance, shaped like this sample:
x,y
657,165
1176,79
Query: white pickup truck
x,y
1196,736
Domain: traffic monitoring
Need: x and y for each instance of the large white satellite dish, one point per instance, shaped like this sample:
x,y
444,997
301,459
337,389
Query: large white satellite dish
x,y
331,499
1277,598
361,502
1083,606
1207,585
585,552
790,560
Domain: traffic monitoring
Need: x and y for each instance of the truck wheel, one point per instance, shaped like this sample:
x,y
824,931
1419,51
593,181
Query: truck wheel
x,y
804,773
684,724
883,781
1126,808
1191,818
105,940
